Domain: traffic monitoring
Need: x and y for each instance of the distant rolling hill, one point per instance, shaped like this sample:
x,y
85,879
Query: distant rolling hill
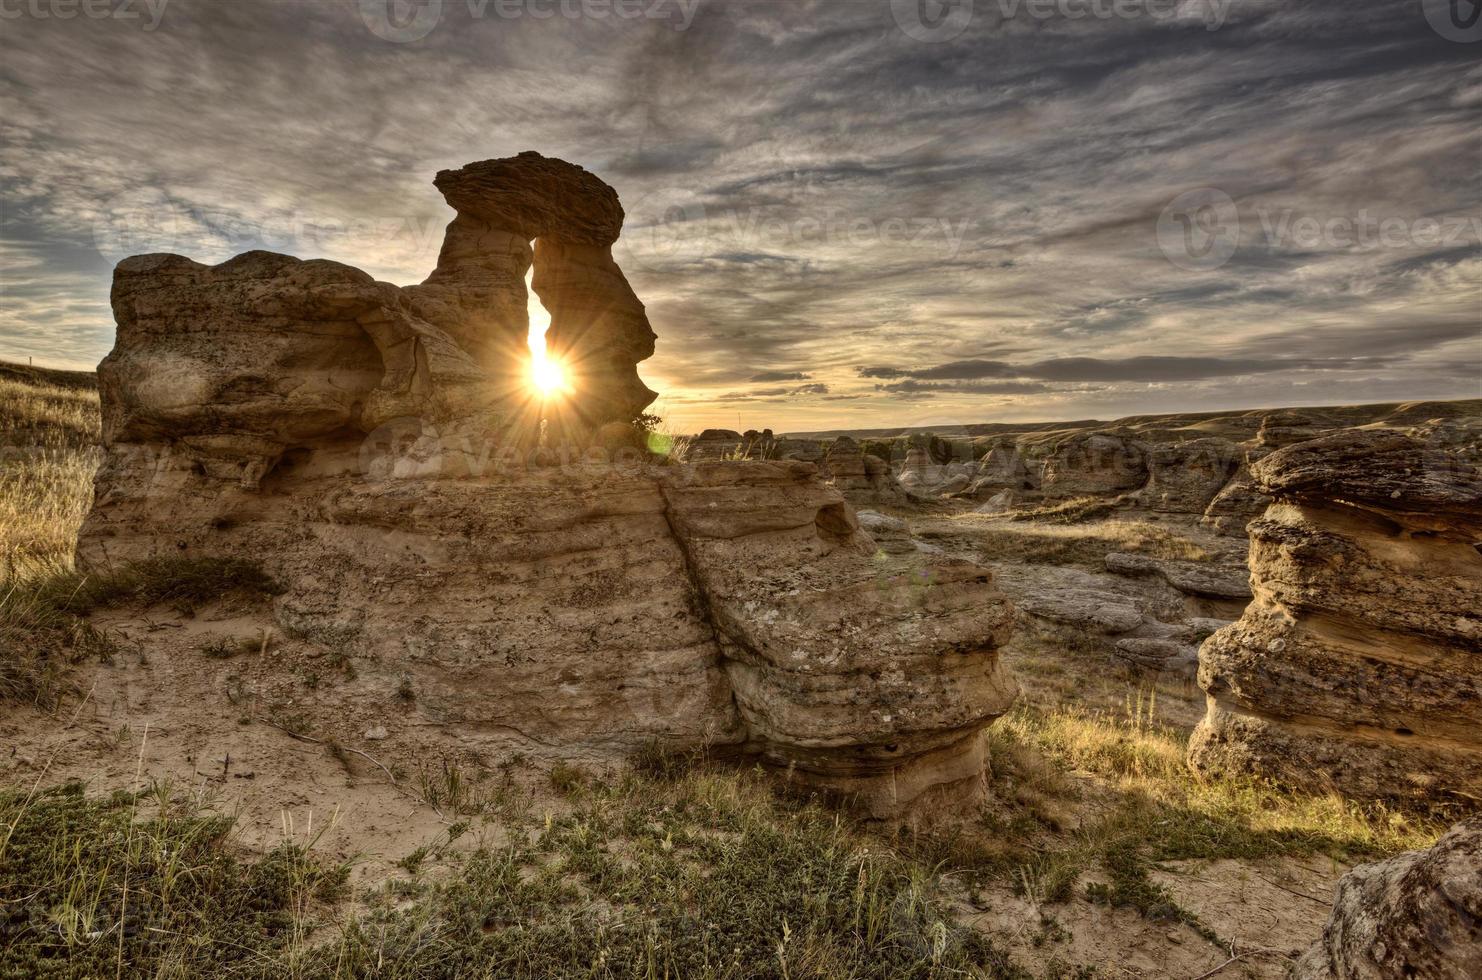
x,y
10,371
1236,423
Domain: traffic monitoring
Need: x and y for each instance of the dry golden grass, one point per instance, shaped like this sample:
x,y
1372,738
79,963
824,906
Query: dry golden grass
x,y
1001,539
49,439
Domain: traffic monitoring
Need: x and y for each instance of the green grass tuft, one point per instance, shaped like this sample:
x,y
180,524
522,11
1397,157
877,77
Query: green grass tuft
x,y
145,885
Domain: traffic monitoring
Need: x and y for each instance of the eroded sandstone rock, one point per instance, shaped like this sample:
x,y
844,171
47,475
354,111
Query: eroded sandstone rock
x,y
1203,579
477,295
1415,915
1183,477
1094,463
862,479
365,444
1359,663
228,367
1002,468
1239,501
599,331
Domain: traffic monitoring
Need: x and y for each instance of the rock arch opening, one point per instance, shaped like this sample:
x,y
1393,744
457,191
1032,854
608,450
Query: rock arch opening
x,y
546,375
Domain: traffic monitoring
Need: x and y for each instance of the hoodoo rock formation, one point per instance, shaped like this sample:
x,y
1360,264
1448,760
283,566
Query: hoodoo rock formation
x,y
1358,666
378,451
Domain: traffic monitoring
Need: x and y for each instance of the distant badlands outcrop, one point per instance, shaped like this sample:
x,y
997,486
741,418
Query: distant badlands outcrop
x,y
1197,465
518,570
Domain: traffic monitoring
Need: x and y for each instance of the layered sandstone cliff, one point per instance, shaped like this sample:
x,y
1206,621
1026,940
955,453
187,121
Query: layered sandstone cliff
x,y
1358,665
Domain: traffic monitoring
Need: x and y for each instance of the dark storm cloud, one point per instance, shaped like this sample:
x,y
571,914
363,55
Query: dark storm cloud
x,y
912,386
774,394
809,188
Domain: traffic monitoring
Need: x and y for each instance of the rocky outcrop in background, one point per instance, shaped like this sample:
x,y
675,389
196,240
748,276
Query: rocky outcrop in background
x,y
1358,666
1195,465
863,479
512,570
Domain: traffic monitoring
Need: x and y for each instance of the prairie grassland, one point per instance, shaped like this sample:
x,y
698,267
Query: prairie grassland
x,y
49,438
639,875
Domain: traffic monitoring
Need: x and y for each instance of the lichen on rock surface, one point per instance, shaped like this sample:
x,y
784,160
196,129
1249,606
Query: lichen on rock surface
x,y
1418,914
525,568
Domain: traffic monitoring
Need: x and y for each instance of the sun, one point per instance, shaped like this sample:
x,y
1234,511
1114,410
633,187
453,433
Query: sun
x,y
547,376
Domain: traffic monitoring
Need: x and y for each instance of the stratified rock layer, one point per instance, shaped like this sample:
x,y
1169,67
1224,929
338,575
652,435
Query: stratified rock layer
x,y
1358,666
368,447
1418,915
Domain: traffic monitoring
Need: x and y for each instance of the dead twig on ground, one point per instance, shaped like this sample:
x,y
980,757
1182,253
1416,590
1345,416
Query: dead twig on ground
x,y
1264,950
345,748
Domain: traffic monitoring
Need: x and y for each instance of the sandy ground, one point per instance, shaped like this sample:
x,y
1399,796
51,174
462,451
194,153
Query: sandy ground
x,y
1253,905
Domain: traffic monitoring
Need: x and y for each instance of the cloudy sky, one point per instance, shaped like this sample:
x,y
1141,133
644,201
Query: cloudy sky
x,y
862,213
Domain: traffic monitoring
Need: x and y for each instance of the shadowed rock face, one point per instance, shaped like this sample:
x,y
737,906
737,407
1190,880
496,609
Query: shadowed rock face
x,y
370,447
598,330
1184,477
1240,501
1415,915
1359,663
